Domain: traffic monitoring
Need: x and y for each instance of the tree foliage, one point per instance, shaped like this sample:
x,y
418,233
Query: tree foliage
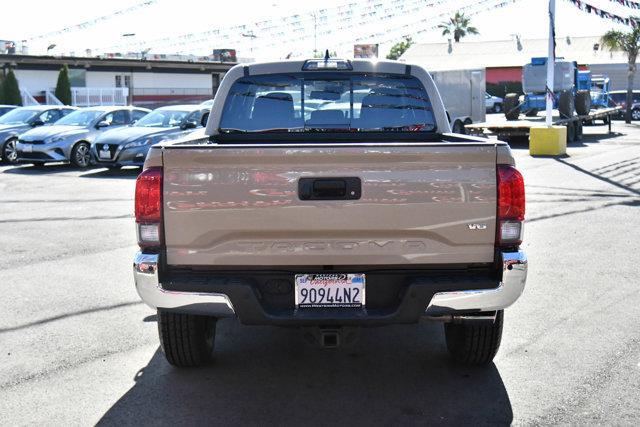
x,y
399,48
10,90
459,26
63,87
629,43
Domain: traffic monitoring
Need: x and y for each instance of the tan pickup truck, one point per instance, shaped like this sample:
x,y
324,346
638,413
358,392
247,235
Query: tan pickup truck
x,y
329,195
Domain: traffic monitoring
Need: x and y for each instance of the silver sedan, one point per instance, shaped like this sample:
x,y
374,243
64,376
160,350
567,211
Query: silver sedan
x,y
69,139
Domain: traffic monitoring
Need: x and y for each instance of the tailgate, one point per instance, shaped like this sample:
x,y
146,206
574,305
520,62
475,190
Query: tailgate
x,y
419,204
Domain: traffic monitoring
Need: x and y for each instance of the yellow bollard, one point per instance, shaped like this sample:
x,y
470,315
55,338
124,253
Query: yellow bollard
x,y
548,141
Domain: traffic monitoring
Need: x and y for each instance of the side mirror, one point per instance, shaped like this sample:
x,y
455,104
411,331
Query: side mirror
x,y
189,125
37,122
103,124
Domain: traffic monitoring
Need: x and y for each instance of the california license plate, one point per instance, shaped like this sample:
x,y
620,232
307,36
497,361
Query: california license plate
x,y
330,290
27,148
104,154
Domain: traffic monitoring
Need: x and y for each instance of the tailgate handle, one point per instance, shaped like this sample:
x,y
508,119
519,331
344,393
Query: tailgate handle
x,y
329,188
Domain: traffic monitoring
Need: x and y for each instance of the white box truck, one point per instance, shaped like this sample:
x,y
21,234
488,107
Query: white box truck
x,y
462,93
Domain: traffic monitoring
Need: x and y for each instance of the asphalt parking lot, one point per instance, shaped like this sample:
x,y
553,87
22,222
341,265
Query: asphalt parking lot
x,y
78,347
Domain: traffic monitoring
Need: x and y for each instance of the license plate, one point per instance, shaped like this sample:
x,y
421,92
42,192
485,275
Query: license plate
x,y
104,154
27,148
330,290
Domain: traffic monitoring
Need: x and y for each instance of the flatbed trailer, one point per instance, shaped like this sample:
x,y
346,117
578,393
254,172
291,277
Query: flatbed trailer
x,y
504,129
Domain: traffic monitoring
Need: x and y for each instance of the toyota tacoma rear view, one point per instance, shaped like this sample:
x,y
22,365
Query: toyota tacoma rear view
x,y
329,195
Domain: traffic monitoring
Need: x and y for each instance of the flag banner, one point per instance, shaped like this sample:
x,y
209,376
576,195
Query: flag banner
x,y
627,3
626,20
287,33
95,21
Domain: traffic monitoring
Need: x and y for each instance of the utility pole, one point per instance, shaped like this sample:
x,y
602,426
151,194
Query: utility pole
x,y
551,61
315,33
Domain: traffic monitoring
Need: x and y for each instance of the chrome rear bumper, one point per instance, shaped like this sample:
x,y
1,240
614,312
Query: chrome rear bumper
x,y
514,275
145,273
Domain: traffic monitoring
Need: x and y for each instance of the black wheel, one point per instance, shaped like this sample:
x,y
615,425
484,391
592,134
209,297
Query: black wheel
x,y
578,131
186,339
9,152
471,344
583,102
571,132
532,113
80,155
458,127
497,107
635,114
511,106
565,104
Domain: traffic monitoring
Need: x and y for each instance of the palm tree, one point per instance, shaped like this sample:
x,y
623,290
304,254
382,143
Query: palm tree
x,y
629,43
458,26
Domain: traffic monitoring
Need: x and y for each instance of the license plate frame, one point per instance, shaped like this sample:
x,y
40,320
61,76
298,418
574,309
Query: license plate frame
x,y
335,290
104,154
27,148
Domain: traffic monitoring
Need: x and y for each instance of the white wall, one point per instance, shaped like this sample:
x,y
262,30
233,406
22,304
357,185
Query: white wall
x,y
171,80
36,81
101,78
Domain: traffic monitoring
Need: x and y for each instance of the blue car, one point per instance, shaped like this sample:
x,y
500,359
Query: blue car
x,y
128,146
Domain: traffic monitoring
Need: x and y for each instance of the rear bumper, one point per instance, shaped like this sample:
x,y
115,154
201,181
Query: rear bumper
x,y
420,298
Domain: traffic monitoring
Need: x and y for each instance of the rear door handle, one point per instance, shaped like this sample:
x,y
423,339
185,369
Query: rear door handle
x,y
349,188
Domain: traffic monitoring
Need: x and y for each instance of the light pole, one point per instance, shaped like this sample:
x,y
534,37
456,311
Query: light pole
x,y
130,85
251,36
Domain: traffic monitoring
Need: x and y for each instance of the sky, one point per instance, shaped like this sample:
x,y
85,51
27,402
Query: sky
x,y
288,27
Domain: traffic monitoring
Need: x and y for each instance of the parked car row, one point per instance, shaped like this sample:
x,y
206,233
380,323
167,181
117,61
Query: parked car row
x,y
113,136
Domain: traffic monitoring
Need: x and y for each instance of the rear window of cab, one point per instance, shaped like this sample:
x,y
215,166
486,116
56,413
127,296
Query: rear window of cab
x,y
327,102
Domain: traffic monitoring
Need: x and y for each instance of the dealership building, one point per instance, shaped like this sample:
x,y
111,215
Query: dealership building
x,y
503,59
147,83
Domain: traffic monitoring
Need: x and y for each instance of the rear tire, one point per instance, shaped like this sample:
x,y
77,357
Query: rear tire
x,y
583,102
458,127
565,104
471,344
187,340
511,106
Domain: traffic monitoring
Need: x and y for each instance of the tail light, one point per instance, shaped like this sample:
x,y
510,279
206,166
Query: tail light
x,y
511,206
148,207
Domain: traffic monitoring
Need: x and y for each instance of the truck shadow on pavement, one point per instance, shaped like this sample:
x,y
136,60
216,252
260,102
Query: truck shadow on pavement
x,y
262,376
